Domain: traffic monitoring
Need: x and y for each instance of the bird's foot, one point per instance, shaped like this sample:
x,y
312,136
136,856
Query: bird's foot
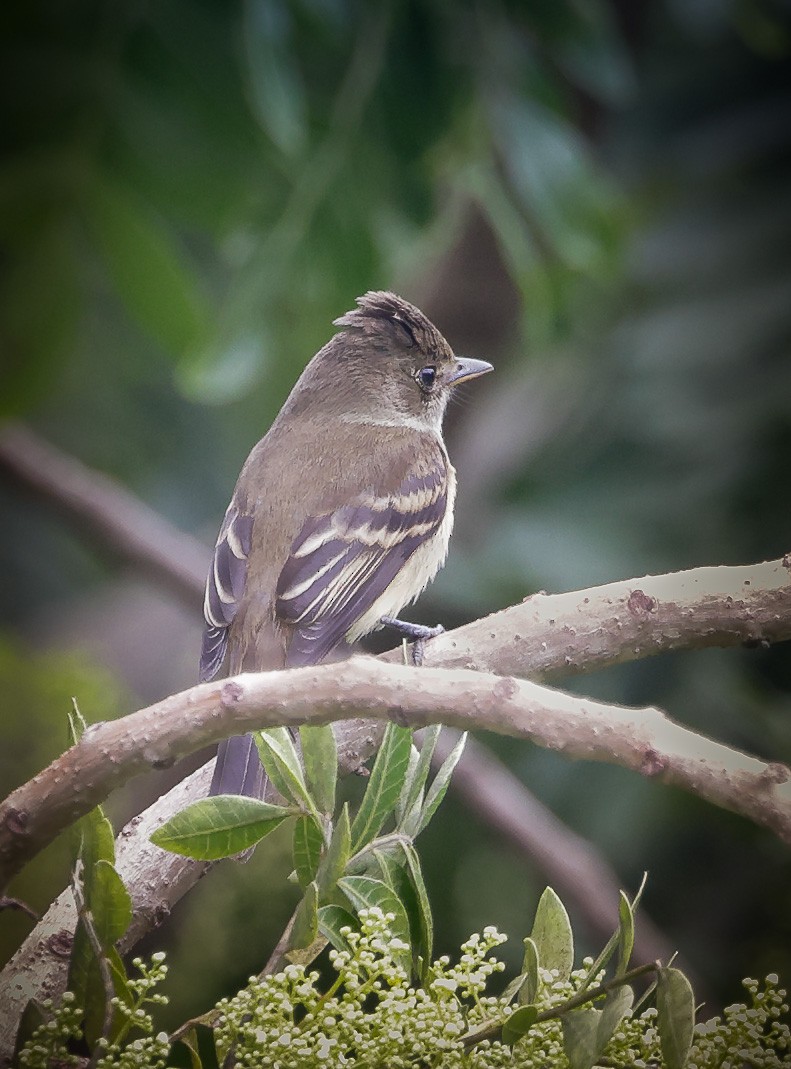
x,y
418,634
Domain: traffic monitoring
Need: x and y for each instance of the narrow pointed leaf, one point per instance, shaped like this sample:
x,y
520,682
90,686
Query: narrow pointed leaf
x,y
616,1006
336,859
675,1003
220,826
417,774
625,933
364,892
519,1023
580,1030
331,919
439,786
384,785
76,723
423,937
281,763
306,919
552,935
320,758
307,846
529,989
400,808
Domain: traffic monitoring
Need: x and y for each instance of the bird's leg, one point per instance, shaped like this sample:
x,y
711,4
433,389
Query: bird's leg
x,y
419,634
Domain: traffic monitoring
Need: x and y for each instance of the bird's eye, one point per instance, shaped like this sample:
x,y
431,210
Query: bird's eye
x,y
426,377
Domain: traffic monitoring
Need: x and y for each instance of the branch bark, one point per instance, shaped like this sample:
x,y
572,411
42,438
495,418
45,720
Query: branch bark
x,y
643,740
547,636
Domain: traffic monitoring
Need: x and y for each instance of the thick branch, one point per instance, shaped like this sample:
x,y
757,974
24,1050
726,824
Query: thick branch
x,y
644,740
548,636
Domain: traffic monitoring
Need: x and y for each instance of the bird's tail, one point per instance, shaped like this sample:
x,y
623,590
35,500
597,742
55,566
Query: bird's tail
x,y
238,769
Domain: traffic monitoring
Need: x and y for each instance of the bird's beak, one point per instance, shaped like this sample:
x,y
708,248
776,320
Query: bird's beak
x,y
467,369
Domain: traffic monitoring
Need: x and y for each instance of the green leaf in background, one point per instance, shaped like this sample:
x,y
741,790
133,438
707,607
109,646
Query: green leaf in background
x,y
625,933
552,935
149,270
364,892
580,1031
334,862
41,299
518,1024
307,847
221,826
440,783
411,797
306,920
530,963
276,90
281,762
384,785
675,1004
320,760
331,919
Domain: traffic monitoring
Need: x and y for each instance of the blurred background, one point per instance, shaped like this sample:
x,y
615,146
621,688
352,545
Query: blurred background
x,y
595,195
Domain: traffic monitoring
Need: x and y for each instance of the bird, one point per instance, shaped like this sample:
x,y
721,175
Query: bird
x,y
342,512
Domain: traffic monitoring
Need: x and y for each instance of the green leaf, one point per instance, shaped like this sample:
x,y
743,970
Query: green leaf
x,y
33,1016
190,1042
364,892
308,845
306,919
675,1003
518,1024
320,758
625,933
77,725
276,91
338,853
331,919
529,989
616,1006
552,935
580,1031
109,903
150,272
423,930
221,826
416,776
95,841
281,763
384,785
439,786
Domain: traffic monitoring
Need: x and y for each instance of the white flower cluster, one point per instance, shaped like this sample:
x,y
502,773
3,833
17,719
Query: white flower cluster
x,y
371,1014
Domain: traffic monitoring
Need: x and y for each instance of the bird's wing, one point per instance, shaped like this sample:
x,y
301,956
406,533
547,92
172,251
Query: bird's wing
x,y
224,587
342,561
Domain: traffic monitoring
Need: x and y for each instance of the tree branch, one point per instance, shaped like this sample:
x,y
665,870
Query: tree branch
x,y
97,507
644,740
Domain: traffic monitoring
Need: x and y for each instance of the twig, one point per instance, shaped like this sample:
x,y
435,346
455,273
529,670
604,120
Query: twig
x,y
99,508
493,1029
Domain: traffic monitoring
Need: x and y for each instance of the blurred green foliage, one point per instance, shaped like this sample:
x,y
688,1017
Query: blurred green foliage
x,y
593,193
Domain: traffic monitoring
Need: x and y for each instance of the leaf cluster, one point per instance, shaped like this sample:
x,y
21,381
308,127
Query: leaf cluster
x,y
342,864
